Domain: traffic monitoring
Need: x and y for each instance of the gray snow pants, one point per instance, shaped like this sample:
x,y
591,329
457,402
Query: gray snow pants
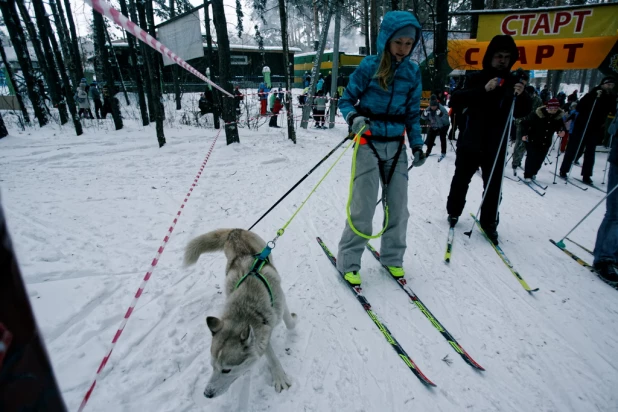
x,y
520,148
364,197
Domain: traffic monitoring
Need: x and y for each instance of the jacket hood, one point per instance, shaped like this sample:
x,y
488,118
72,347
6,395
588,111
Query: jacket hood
x,y
499,43
393,21
542,112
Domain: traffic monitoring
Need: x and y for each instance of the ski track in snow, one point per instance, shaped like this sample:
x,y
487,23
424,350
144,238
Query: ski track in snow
x,y
88,213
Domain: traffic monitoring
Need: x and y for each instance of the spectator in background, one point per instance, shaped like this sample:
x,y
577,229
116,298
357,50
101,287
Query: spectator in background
x,y
263,96
319,109
437,119
545,94
95,93
277,106
83,102
572,97
520,147
327,83
238,97
320,84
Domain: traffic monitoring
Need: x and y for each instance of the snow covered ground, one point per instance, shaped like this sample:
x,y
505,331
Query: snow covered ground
x,y
88,213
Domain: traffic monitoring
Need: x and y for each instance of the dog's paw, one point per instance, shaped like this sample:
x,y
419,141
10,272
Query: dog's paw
x,y
294,319
282,381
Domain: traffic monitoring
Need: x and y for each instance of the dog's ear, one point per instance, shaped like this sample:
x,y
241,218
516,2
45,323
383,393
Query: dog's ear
x,y
247,336
214,324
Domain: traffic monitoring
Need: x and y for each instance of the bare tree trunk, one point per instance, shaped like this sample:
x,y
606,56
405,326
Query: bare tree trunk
x,y
3,131
113,53
223,50
582,81
209,65
556,80
474,21
108,72
11,74
136,66
54,82
316,65
335,71
366,26
16,33
77,61
156,78
175,66
316,20
593,79
64,38
440,47
394,5
289,104
67,91
144,53
373,17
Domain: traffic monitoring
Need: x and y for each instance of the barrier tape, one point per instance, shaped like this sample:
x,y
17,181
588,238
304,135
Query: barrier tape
x,y
105,9
142,286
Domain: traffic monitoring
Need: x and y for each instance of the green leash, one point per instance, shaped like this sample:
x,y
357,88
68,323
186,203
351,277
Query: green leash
x,y
348,214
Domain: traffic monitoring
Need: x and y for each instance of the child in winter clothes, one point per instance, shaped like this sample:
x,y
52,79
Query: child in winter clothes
x,y
319,109
83,102
438,121
538,131
96,98
277,106
263,95
387,88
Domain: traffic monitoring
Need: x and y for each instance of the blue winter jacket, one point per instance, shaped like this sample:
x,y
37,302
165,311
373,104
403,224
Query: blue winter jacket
x,y
403,96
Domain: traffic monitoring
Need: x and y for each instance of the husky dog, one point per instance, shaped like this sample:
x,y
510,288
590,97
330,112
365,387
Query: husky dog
x,y
242,335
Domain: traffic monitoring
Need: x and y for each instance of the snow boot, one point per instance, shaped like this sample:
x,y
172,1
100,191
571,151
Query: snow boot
x,y
491,232
452,220
608,272
353,278
396,271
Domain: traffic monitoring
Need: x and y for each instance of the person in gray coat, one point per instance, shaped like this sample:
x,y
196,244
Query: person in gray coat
x,y
437,120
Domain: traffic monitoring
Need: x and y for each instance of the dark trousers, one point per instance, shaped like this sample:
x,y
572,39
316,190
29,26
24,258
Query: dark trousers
x,y
431,138
534,160
606,247
273,121
589,146
98,105
466,165
318,116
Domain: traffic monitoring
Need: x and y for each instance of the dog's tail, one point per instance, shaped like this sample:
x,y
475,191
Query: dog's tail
x,y
208,242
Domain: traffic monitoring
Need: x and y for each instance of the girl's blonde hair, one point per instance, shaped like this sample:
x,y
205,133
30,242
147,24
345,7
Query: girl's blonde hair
x,y
385,70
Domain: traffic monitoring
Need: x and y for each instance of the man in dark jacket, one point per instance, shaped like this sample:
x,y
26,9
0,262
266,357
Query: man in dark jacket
x,y
606,247
486,100
520,147
545,94
593,109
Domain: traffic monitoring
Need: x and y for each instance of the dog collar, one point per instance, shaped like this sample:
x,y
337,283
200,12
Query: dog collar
x,y
257,266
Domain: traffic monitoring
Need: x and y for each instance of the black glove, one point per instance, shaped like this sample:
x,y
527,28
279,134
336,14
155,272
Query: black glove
x,y
419,156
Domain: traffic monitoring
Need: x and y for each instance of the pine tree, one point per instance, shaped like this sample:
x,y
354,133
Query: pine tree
x,y
286,71
11,74
225,68
16,33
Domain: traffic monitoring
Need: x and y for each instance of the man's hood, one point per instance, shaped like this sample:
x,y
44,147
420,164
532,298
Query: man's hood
x,y
393,21
501,42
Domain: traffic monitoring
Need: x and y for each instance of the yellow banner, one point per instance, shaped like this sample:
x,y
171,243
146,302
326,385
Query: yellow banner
x,y
559,24
554,54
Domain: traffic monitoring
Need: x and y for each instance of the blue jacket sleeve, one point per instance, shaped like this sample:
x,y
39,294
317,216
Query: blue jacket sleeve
x,y
413,111
359,80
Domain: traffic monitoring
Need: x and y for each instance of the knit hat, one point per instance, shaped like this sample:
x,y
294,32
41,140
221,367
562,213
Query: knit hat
x,y
608,79
553,104
433,100
406,31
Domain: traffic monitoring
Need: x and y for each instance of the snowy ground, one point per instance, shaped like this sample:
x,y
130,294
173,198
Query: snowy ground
x,y
88,213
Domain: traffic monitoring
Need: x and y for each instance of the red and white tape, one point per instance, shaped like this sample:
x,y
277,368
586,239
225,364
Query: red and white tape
x,y
142,286
121,20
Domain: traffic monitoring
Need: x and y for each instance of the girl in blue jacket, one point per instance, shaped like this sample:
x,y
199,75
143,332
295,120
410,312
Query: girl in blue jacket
x,y
387,87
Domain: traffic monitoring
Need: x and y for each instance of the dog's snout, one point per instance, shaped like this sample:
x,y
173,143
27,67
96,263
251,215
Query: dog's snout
x,y
209,393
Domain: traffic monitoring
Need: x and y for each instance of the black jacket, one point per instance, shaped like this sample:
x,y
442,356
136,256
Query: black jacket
x,y
486,113
540,127
603,106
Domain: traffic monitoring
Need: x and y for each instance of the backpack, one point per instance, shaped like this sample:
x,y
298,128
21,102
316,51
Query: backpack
x,y
82,96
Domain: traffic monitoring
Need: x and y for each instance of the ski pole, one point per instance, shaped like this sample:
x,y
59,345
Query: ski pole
x,y
560,243
583,135
300,181
607,161
493,168
557,158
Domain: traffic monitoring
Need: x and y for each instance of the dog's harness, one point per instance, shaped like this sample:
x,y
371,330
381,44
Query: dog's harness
x,y
261,259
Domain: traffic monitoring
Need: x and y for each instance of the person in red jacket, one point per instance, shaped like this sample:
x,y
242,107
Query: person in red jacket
x,y
276,109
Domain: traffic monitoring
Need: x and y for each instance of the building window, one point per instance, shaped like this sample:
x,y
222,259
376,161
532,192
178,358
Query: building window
x,y
239,60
